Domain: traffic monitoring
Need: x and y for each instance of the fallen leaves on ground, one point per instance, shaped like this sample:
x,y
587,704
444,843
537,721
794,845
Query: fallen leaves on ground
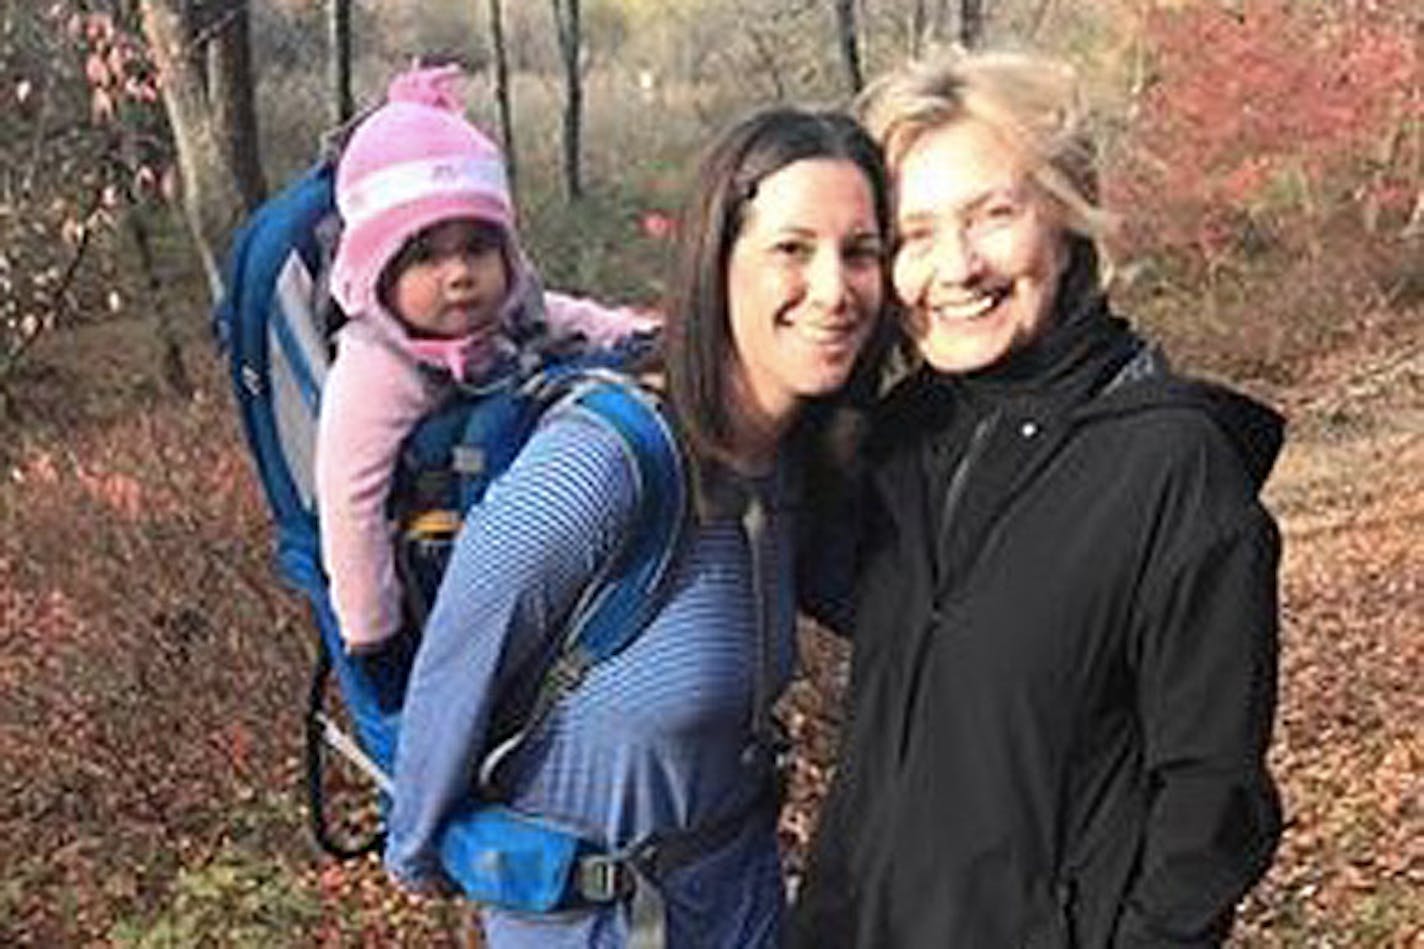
x,y
154,675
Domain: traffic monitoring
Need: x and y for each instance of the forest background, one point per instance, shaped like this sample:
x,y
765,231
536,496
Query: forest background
x,y
1268,156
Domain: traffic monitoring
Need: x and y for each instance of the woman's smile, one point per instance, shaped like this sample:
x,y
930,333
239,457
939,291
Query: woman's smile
x,y
805,283
981,251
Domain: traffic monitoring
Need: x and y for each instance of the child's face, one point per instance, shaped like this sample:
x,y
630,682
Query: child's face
x,y
450,280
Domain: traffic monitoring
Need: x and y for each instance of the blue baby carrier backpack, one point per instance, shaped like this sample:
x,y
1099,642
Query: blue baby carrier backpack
x,y
274,322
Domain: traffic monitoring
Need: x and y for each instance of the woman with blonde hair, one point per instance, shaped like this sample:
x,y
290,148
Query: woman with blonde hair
x,y
1065,615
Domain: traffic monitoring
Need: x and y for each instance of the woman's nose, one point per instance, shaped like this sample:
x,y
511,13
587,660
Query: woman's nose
x,y
826,280
956,260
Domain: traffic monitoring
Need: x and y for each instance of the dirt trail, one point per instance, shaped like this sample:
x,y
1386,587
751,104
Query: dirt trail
x,y
1349,746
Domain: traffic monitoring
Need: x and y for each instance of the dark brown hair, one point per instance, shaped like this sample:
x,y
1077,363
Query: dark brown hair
x,y
699,347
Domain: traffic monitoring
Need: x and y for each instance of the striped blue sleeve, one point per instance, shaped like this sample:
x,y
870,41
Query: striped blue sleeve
x,y
518,567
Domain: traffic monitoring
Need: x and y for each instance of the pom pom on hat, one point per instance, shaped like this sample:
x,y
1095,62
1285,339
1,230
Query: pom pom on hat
x,y
412,163
437,87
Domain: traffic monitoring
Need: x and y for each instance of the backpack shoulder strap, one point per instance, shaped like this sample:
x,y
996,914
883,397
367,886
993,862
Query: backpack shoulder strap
x,y
616,607
625,594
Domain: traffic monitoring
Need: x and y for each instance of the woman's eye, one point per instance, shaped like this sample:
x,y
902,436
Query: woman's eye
x,y
915,238
998,214
797,250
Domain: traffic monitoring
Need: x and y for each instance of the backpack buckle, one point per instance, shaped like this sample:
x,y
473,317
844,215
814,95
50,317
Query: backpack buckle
x,y
601,878
567,672
467,460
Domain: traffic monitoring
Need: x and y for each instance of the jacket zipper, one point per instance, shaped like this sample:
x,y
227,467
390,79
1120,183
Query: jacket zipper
x,y
954,494
952,498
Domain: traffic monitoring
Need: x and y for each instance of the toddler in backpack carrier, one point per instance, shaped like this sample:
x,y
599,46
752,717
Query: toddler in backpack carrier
x,y
446,318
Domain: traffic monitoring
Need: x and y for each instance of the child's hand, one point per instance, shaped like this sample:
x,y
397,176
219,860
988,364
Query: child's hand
x,y
603,327
386,666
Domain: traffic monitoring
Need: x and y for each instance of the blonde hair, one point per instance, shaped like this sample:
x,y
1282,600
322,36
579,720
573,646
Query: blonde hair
x,y
1033,102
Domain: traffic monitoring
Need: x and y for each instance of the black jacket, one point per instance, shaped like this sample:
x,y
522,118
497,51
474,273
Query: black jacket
x,y
1064,665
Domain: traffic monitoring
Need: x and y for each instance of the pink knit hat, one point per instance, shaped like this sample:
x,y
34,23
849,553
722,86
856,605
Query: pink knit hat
x,y
413,163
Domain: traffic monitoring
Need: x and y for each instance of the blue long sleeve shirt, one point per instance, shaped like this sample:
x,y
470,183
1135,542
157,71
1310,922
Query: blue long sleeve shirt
x,y
652,739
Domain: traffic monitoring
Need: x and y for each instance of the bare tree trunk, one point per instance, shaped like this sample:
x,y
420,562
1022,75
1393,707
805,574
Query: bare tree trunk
x,y
338,52
191,13
566,22
918,26
213,199
230,79
1040,16
971,23
938,24
174,370
769,60
501,89
1414,227
850,48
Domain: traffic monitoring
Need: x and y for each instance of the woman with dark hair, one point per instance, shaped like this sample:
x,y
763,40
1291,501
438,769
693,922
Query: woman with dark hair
x,y
1064,630
722,276
781,287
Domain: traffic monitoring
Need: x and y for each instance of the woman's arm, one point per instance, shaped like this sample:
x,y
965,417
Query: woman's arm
x,y
836,519
828,540
519,565
1206,695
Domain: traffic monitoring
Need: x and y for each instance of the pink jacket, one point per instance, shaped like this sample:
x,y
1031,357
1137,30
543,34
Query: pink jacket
x,y
373,397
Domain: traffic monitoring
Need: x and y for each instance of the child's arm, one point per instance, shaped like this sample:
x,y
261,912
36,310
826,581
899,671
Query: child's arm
x,y
602,326
369,404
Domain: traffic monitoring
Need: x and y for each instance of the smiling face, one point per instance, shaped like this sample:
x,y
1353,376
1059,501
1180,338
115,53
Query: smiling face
x,y
450,280
805,283
981,248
